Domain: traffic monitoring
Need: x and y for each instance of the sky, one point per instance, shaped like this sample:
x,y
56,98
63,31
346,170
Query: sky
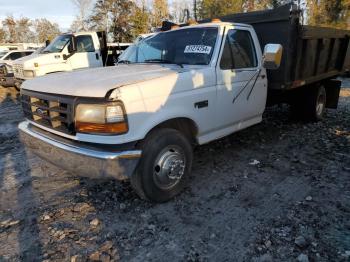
x,y
61,12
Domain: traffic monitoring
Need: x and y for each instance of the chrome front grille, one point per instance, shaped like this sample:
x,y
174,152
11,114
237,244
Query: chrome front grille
x,y
18,71
49,111
3,70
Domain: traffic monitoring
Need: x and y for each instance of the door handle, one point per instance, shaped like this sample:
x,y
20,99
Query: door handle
x,y
263,76
97,56
201,104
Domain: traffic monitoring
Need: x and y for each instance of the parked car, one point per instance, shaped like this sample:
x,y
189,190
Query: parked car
x,y
6,63
178,89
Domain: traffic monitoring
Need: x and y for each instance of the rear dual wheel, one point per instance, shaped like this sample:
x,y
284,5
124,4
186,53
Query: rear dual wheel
x,y
164,166
310,104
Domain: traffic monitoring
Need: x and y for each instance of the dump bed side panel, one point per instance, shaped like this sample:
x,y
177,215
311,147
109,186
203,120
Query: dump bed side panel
x,y
322,53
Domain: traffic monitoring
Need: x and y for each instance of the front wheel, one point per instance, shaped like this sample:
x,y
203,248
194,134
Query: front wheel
x,y
164,166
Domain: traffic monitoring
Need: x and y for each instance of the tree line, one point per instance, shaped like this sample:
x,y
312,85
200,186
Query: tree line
x,y
126,19
24,30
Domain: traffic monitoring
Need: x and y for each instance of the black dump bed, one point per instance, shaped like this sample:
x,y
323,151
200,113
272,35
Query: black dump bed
x,y
310,54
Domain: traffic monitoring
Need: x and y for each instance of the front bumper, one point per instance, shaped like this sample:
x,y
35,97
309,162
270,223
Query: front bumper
x,y
7,80
18,82
77,158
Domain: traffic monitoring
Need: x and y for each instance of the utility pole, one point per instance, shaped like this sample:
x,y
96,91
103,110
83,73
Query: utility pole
x,y
195,9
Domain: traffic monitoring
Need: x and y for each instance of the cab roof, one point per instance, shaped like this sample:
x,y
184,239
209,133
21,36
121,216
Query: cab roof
x,y
211,24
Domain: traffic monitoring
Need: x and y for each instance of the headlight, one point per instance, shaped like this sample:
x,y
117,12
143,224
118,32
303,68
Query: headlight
x,y
28,73
99,118
9,69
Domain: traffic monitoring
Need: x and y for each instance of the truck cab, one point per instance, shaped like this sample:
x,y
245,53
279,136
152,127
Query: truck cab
x,y
66,52
140,119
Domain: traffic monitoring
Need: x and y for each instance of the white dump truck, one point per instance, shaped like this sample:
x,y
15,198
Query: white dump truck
x,y
68,52
187,86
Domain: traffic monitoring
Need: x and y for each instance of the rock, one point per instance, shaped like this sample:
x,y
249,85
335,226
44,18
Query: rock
x,y
46,217
62,236
308,198
265,258
95,256
105,257
81,207
106,246
254,162
122,206
303,258
268,244
346,254
301,242
146,242
9,223
76,258
95,222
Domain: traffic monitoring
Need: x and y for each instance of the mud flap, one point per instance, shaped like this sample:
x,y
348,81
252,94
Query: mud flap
x,y
332,92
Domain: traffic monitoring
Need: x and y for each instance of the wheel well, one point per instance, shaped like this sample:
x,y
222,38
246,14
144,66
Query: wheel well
x,y
49,73
184,125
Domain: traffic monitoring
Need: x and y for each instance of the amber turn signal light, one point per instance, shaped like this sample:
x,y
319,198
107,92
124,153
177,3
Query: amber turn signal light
x,y
108,128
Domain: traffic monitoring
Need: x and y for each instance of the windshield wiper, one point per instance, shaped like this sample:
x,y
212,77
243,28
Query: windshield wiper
x,y
123,62
163,61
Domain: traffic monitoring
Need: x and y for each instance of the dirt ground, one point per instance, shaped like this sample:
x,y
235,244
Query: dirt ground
x,y
279,191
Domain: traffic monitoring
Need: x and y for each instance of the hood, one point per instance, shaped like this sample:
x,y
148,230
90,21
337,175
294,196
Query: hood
x,y
97,82
42,59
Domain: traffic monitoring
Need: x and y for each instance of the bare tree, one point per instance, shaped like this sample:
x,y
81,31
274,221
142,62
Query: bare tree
x,y
45,30
24,34
181,10
9,26
2,35
83,7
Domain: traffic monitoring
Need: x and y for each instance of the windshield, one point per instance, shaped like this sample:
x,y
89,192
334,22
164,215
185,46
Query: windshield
x,y
3,53
192,46
57,44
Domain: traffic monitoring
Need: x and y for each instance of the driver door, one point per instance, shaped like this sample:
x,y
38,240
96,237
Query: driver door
x,y
87,54
242,89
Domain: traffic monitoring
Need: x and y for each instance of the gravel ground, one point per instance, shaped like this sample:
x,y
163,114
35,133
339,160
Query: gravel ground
x,y
279,191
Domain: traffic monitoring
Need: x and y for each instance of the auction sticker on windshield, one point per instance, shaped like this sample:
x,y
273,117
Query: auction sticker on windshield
x,y
198,49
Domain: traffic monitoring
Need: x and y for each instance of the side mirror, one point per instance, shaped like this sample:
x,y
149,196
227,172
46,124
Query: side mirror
x,y
72,47
47,42
272,56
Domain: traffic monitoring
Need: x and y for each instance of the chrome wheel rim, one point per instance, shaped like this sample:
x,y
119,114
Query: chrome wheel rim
x,y
320,105
169,167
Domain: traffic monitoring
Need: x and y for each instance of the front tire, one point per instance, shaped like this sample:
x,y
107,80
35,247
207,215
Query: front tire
x,y
164,167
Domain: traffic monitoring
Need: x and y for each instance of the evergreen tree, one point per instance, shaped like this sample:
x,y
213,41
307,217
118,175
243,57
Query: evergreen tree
x,y
140,20
115,17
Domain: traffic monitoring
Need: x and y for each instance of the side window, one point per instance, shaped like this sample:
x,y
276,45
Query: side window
x,y
239,51
26,53
85,44
14,56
